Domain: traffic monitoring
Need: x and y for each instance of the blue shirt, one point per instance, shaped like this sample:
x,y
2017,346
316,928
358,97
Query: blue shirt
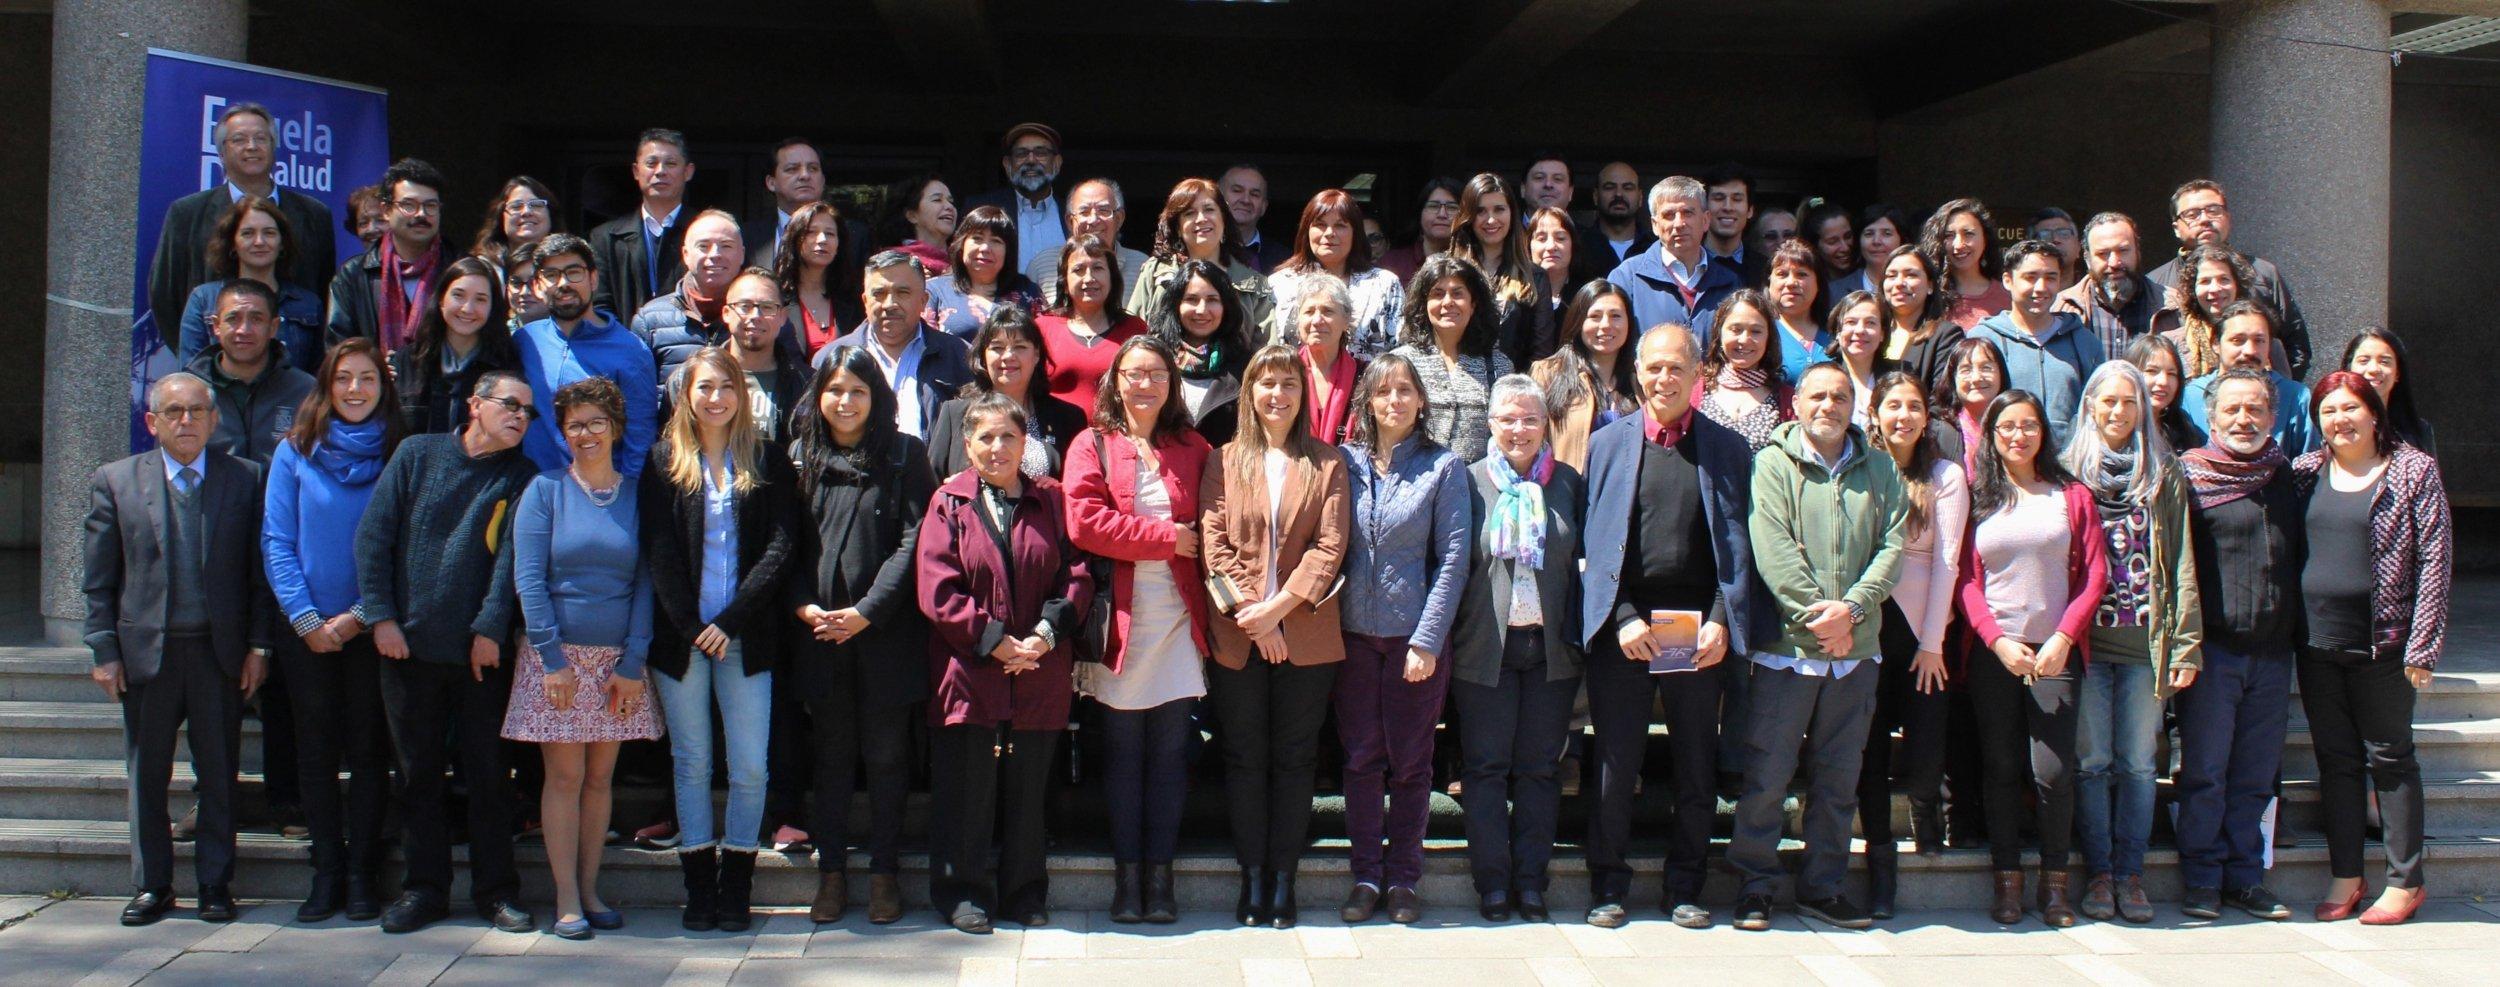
x,y
578,568
720,545
599,347
1407,560
1794,359
2291,412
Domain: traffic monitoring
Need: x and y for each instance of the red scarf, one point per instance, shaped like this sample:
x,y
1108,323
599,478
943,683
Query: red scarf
x,y
1331,409
2219,476
398,317
706,310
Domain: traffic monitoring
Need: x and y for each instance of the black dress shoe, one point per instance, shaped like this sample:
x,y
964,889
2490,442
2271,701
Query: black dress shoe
x,y
216,903
323,900
1532,907
507,915
1494,906
1404,905
364,900
1836,910
1360,904
414,910
1754,913
148,906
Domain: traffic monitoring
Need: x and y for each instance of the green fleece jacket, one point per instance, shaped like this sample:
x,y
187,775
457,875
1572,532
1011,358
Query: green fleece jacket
x,y
1817,536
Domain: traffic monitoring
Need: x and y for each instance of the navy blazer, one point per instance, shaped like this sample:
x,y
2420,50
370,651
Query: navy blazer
x,y
1726,465
945,366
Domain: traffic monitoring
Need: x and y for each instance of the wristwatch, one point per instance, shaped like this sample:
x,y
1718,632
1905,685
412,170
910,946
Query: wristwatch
x,y
1857,613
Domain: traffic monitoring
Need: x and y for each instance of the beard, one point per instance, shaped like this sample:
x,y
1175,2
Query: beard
x,y
1030,180
568,307
1616,209
2117,289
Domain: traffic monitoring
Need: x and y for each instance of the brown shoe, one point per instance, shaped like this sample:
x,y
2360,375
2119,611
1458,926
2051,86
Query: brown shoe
x,y
2008,907
1405,906
1361,904
885,899
2054,908
2100,898
2133,904
833,897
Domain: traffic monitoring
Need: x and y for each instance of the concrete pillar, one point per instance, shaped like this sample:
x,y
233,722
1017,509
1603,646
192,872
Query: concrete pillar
x,y
2300,141
99,69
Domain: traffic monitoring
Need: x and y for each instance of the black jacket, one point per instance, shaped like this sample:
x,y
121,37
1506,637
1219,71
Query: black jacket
x,y
181,261
2249,553
1479,633
672,538
625,284
1061,422
432,401
856,549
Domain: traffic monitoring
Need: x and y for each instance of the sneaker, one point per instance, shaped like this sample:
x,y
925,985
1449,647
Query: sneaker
x,y
1688,915
2259,903
2202,903
1754,913
660,835
1835,910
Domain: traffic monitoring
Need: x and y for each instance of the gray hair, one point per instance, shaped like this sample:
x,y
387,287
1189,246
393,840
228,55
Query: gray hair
x,y
1512,386
885,259
487,383
2111,218
156,391
1321,283
1681,187
2213,392
1692,340
2148,457
1119,200
234,110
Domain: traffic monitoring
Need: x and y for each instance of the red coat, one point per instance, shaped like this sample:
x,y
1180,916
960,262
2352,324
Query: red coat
x,y
1103,520
974,599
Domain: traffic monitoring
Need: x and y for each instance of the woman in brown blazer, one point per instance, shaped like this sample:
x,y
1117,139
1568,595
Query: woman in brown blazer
x,y
1274,520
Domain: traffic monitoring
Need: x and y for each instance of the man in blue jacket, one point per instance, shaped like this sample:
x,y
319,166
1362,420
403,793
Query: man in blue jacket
x,y
1673,281
2047,352
576,341
1668,495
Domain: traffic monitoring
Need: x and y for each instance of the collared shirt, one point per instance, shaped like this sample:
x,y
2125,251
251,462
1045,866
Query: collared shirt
x,y
653,231
1038,228
902,372
1813,667
1685,275
781,223
174,467
1665,434
720,543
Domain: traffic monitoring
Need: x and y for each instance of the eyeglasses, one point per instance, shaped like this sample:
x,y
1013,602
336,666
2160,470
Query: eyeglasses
x,y
414,207
574,274
2054,236
587,426
514,406
2017,429
1039,153
1146,376
2214,211
522,206
250,140
1440,207
753,309
184,412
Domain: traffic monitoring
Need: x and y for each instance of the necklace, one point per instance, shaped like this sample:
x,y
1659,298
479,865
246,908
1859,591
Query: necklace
x,y
598,498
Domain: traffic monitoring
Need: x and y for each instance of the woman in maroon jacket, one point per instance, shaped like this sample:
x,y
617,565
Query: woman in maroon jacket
x,y
1005,595
1132,493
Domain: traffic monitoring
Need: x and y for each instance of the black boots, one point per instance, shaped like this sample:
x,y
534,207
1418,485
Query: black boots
x,y
1251,907
1883,879
1281,911
702,889
1127,887
1927,827
737,891
1156,890
329,893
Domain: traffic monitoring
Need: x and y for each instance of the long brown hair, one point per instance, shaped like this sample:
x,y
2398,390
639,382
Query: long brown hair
x,y
1918,476
1168,242
312,418
1249,445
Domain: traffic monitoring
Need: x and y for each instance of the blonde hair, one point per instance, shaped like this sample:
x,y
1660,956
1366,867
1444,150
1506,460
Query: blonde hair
x,y
685,436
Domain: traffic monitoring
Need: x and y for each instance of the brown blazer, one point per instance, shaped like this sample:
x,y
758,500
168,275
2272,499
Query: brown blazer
x,y
1314,516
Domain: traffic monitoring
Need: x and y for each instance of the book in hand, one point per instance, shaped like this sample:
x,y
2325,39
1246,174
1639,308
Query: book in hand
x,y
1678,634
1228,599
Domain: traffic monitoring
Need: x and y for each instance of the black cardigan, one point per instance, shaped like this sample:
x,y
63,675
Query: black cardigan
x,y
856,549
1061,421
672,538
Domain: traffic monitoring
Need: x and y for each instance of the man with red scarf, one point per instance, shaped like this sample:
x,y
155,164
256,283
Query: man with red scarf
x,y
405,259
2247,532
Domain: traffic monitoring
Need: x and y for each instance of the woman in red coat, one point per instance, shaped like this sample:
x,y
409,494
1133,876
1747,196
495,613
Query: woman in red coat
x,y
1132,492
1005,595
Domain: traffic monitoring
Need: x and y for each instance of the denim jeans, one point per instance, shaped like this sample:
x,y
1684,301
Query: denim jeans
x,y
746,708
2118,721
2231,727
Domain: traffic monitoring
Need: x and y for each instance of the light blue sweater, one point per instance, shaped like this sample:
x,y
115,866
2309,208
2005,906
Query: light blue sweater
x,y
578,568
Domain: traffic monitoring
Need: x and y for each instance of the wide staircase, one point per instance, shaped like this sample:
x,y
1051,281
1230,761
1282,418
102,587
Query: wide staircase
x,y
64,806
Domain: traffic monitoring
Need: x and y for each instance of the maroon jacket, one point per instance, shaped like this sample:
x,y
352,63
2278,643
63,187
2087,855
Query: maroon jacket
x,y
1103,520
974,598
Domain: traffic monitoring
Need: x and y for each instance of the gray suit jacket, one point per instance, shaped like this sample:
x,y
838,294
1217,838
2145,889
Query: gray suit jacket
x,y
126,579
1478,635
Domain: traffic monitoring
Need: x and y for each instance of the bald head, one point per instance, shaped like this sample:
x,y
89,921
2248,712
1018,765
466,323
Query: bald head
x,y
714,251
1668,363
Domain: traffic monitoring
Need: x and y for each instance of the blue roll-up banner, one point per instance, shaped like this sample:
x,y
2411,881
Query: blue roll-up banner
x,y
333,137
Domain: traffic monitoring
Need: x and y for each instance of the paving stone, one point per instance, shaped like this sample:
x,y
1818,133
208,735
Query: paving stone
x,y
340,936
1198,935
1128,973
12,909
1454,937
878,972
1419,973
415,969
2229,968
918,935
1725,971
551,971
1953,932
230,969
95,923
1275,973
1928,971
47,966
2435,966
2175,933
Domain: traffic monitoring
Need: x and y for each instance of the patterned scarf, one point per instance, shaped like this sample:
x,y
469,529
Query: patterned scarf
x,y
1733,379
397,317
2221,476
1518,532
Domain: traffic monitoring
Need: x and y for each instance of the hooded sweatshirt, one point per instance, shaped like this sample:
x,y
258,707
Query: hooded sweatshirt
x,y
2052,366
1820,536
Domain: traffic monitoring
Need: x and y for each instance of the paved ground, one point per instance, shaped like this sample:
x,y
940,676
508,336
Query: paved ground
x,y
57,944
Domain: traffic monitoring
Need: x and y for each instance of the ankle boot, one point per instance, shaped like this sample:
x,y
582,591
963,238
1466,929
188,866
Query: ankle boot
x,y
885,899
2058,912
1161,909
735,913
2007,909
1251,907
1281,911
364,896
1126,889
329,892
702,889
833,898
1883,879
1927,827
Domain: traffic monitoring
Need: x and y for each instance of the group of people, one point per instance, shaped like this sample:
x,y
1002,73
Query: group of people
x,y
1789,496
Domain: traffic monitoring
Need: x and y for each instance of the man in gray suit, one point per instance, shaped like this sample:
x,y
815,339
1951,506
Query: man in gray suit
x,y
178,615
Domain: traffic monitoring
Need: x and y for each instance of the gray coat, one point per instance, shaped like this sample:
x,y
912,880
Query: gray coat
x,y
1483,622
128,526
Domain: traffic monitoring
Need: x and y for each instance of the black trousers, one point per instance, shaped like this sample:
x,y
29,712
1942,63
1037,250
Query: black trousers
x,y
280,702
1269,715
1146,779
988,789
1620,693
844,735
339,725
2360,711
789,758
2018,722
1921,719
426,701
189,687
1511,736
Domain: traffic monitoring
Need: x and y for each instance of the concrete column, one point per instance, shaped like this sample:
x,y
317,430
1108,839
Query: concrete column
x,y
99,69
2300,141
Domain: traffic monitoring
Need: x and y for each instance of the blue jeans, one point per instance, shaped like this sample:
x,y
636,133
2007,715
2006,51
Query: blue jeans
x,y
2231,725
2118,721
746,707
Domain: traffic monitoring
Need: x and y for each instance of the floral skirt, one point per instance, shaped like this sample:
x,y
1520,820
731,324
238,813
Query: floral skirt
x,y
532,717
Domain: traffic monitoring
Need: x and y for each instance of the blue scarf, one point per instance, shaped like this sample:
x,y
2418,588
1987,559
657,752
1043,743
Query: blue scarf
x,y
1518,531
352,452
